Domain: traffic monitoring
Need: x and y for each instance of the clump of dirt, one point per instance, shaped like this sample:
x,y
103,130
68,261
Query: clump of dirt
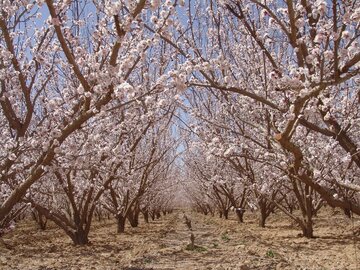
x,y
164,244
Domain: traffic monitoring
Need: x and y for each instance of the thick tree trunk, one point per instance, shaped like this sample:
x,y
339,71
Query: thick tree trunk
x,y
307,229
263,213
308,223
146,216
262,218
120,223
80,237
133,217
42,222
240,215
347,212
226,213
40,219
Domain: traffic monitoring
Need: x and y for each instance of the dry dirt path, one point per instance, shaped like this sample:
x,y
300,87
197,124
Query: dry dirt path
x,y
216,246
160,245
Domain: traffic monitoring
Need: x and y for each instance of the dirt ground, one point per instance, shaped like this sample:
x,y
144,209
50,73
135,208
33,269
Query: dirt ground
x,y
162,244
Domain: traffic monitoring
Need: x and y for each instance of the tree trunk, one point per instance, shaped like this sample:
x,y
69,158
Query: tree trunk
x,y
240,215
133,217
226,213
80,237
40,219
42,222
347,212
262,213
120,223
146,216
308,221
262,219
307,229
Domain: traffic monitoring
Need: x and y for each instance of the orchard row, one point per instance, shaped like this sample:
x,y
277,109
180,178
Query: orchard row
x,y
128,107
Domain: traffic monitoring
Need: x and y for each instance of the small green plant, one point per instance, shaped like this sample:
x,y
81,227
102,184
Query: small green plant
x,y
215,245
195,248
225,237
147,260
270,253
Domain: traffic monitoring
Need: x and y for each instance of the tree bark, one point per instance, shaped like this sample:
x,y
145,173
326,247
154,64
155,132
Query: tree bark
x,y
40,219
120,223
80,237
146,216
226,213
265,208
262,220
307,229
133,217
240,215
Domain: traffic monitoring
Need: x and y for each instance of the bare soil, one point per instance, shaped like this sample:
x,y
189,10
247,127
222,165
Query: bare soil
x,y
163,244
